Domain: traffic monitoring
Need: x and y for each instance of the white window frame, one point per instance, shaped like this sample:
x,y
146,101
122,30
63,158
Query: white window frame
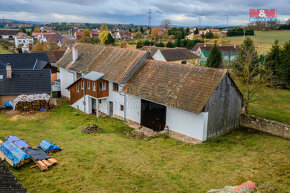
x,y
102,86
83,84
78,88
88,84
94,86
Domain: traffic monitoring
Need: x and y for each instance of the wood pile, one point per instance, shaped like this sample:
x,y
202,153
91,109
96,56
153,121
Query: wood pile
x,y
35,105
91,129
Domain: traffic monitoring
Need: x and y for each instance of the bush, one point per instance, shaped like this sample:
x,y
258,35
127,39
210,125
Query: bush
x,y
240,32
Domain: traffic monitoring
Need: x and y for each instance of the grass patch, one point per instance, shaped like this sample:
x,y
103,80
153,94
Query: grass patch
x,y
4,51
111,162
273,104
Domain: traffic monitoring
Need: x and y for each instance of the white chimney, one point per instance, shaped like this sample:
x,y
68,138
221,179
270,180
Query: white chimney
x,y
8,71
74,53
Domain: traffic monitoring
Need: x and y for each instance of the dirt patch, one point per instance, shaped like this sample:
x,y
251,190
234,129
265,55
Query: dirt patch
x,y
30,115
91,129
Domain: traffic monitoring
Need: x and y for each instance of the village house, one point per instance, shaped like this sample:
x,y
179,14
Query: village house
x,y
191,36
176,55
24,41
52,38
202,50
217,31
29,61
189,100
23,74
122,35
46,29
8,34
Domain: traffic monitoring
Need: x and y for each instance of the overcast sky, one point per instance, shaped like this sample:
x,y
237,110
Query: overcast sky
x,y
180,12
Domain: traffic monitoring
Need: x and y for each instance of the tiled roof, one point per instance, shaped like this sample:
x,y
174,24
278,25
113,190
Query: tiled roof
x,y
9,32
54,56
115,63
41,33
174,54
23,61
223,48
26,82
181,86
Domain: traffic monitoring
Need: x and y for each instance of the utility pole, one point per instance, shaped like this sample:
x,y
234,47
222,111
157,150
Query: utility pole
x,y
227,21
149,17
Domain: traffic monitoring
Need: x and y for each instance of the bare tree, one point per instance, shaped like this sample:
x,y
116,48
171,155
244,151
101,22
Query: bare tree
x,y
165,23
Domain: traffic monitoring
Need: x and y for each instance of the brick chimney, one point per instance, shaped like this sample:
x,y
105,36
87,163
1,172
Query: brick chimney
x,y
8,71
74,53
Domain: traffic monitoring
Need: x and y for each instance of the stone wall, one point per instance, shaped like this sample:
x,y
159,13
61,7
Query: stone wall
x,y
265,125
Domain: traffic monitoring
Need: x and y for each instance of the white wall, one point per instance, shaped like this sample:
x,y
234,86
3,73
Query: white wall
x,y
158,56
187,123
133,108
117,98
66,79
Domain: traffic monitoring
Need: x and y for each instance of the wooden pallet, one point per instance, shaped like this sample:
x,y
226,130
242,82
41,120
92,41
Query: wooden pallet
x,y
45,164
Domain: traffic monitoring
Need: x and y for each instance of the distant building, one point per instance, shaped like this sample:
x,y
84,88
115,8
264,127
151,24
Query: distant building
x,y
176,55
229,52
8,34
46,29
22,39
122,35
190,36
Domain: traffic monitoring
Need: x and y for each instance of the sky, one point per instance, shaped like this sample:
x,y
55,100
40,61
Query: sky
x,y
180,12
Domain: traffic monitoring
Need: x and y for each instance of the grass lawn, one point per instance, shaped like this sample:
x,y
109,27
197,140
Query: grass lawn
x,y
111,162
273,104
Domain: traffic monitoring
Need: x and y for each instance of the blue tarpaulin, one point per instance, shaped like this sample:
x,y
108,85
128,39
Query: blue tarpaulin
x,y
17,142
12,152
47,146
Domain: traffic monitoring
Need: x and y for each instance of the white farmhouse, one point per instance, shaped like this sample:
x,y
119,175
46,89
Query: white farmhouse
x,y
23,40
190,101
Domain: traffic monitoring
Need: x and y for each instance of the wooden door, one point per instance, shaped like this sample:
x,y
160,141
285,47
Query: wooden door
x,y
153,115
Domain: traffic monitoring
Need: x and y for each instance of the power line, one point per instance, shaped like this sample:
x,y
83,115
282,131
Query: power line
x,y
149,17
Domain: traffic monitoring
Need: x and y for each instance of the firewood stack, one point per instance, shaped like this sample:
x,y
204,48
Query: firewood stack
x,y
35,105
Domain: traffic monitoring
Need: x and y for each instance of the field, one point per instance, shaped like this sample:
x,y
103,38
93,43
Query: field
x,y
4,51
263,39
112,162
273,104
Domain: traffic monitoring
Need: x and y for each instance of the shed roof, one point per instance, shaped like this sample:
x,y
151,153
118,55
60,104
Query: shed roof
x,y
22,61
181,86
26,82
9,32
115,63
93,76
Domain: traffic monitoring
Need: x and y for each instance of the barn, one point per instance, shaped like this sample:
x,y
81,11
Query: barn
x,y
194,101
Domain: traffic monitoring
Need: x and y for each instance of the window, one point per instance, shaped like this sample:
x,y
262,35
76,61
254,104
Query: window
x,y
115,87
122,107
1,77
78,88
83,84
102,86
100,101
94,86
88,84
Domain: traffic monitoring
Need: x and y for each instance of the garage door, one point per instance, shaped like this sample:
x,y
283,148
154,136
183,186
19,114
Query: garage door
x,y
153,115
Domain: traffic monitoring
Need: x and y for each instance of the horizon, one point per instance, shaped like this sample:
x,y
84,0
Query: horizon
x,y
183,13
